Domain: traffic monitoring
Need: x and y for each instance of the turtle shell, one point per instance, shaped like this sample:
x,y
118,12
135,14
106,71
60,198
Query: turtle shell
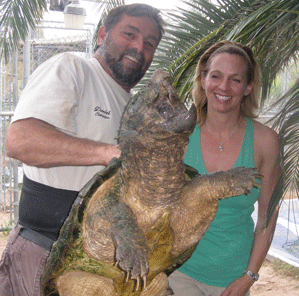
x,y
70,233
67,253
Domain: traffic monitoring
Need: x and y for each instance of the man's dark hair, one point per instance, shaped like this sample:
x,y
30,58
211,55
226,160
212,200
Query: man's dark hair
x,y
136,9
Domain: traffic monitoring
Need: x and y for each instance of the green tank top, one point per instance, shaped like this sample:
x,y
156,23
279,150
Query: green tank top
x,y
224,251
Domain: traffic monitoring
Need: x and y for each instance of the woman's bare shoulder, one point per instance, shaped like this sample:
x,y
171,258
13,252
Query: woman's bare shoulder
x,y
266,140
264,132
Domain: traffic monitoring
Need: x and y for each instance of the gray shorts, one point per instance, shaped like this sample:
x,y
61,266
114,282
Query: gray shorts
x,y
183,285
21,266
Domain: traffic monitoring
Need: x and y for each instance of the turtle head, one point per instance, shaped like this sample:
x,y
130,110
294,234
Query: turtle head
x,y
157,113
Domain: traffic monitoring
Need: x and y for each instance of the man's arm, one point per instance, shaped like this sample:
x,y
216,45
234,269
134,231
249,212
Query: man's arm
x,y
37,143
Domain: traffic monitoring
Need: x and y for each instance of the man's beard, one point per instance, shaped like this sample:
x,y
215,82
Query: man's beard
x,y
127,76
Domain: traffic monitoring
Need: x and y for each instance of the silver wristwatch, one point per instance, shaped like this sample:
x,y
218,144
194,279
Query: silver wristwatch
x,y
255,276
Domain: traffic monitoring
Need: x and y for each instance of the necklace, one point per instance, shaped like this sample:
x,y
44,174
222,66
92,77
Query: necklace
x,y
221,147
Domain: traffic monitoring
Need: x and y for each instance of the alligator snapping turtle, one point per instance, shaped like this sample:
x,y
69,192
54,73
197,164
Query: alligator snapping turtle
x,y
141,217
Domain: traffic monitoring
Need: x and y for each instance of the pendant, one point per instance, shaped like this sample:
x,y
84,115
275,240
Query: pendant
x,y
220,148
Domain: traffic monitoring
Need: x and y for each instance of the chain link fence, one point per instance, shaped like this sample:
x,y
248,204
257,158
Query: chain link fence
x,y
49,38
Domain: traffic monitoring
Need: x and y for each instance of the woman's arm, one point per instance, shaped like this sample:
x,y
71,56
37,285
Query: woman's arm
x,y
268,145
268,163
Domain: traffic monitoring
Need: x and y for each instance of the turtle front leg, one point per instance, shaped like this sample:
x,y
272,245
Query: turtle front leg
x,y
199,203
111,233
130,242
221,184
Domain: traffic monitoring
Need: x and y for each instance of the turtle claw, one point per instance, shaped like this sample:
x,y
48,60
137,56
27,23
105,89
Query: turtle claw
x,y
138,282
144,281
128,276
256,184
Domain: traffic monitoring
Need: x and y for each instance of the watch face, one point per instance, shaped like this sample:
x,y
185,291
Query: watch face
x,y
255,276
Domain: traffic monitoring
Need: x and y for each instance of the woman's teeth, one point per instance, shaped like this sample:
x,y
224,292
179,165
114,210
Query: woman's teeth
x,y
223,98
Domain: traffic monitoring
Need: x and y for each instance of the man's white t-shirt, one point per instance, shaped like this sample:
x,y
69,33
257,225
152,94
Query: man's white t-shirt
x,y
78,97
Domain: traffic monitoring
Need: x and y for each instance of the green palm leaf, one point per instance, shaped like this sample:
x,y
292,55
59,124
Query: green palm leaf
x,y
286,121
272,29
16,17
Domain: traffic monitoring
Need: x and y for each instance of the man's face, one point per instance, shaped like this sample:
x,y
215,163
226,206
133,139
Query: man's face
x,y
128,49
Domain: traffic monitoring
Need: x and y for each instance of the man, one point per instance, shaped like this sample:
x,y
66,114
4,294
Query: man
x,y
64,131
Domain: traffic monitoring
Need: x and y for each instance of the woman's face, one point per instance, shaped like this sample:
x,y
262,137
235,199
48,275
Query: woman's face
x,y
225,83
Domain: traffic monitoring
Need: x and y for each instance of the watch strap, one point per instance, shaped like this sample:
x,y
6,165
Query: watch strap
x,y
255,276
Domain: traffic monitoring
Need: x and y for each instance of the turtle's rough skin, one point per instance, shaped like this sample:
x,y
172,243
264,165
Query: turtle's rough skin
x,y
141,217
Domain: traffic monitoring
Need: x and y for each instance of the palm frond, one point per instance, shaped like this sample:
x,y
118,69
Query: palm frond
x,y
16,17
190,32
272,30
286,122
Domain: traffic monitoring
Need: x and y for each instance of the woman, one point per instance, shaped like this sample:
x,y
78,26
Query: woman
x,y
228,258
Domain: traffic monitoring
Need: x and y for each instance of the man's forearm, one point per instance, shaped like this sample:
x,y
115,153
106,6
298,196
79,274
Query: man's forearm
x,y
39,144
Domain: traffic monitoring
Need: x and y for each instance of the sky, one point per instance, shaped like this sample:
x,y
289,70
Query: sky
x,y
163,5
92,13
160,4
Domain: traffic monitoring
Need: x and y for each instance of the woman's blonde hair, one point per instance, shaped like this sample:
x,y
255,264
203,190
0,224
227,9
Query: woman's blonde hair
x,y
250,103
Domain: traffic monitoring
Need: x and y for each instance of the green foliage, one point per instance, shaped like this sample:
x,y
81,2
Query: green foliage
x,y
285,269
286,121
6,228
16,17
